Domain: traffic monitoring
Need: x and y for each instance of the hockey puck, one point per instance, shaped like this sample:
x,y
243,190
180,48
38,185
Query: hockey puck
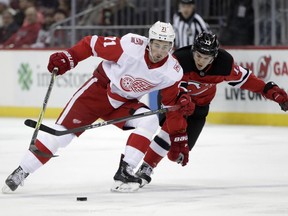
x,y
81,198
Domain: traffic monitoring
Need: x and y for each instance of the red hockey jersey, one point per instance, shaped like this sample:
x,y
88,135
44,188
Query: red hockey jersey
x,y
201,85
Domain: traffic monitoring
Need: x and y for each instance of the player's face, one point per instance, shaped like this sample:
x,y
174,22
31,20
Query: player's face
x,y
159,50
202,60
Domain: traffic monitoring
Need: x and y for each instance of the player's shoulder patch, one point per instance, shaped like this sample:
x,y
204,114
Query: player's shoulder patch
x,y
176,66
133,45
137,41
177,73
133,39
185,58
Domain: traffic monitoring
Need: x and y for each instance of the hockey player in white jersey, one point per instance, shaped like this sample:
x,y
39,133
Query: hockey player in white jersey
x,y
132,67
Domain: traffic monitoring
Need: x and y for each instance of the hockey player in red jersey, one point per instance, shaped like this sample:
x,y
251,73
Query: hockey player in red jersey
x,y
132,67
204,66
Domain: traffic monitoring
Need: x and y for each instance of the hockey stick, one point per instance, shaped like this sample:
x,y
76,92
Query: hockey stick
x,y
37,126
33,124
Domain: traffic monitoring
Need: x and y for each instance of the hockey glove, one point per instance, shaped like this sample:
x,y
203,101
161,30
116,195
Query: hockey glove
x,y
64,61
187,107
273,92
175,123
179,150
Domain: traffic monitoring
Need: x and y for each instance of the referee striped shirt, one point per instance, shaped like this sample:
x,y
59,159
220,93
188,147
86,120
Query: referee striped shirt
x,y
187,29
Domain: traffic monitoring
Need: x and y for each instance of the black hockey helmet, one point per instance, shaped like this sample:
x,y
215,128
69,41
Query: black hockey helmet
x,y
206,43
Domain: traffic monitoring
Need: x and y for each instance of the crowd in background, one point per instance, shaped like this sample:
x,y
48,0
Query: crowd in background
x,y
27,23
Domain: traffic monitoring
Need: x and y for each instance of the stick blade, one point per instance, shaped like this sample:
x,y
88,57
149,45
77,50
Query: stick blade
x,y
30,123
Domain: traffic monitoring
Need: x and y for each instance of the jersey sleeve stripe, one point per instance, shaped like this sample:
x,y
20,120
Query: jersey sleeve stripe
x,y
93,43
244,77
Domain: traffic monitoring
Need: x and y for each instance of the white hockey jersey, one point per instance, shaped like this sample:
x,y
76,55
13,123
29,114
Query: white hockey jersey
x,y
128,67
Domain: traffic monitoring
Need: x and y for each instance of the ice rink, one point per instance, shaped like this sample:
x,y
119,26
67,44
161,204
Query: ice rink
x,y
233,170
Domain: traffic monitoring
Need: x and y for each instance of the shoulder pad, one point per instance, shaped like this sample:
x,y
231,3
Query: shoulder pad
x,y
222,64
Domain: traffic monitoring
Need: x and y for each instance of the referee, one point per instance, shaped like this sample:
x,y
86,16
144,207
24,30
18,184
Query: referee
x,y
187,24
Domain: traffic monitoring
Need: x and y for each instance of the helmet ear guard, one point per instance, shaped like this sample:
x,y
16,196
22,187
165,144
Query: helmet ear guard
x,y
206,43
162,31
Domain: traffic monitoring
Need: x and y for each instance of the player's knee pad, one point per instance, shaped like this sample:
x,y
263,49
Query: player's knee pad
x,y
52,142
146,126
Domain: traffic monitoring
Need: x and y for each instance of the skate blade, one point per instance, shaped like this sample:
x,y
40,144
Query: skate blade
x,y
144,182
6,189
121,187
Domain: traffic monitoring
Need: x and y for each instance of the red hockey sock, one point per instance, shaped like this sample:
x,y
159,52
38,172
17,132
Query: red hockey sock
x,y
42,148
139,142
152,158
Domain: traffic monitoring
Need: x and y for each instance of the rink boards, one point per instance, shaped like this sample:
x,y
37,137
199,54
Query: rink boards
x,y
25,82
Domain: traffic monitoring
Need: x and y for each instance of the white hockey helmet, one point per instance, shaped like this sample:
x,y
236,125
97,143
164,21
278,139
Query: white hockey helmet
x,y
162,31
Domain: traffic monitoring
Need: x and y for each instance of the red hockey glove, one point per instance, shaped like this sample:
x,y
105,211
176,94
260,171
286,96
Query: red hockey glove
x,y
64,61
179,151
187,107
174,123
273,92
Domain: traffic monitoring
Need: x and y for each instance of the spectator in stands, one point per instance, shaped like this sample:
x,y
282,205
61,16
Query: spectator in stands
x,y
239,28
5,5
60,15
60,35
44,38
40,17
22,6
9,26
64,5
48,4
27,34
187,23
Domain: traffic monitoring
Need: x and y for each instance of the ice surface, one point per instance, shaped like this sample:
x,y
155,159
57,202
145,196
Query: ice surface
x,y
233,170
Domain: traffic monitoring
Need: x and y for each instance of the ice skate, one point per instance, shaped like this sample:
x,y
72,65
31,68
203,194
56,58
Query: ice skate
x,y
15,179
144,172
125,179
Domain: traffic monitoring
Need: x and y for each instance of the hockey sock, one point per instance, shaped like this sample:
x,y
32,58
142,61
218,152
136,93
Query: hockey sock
x,y
157,150
135,149
42,148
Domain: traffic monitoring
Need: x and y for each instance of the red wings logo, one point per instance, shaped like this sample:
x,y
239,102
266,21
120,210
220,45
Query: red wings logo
x,y
129,84
177,67
137,41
